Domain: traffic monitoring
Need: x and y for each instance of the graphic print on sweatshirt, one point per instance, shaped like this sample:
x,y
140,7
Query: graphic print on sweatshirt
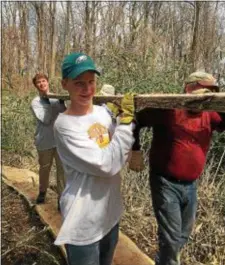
x,y
99,134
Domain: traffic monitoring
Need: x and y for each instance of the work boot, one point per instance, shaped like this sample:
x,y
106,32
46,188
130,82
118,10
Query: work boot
x,y
41,197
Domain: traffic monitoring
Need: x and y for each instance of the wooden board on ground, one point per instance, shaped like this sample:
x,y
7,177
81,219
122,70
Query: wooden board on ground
x,y
206,102
25,182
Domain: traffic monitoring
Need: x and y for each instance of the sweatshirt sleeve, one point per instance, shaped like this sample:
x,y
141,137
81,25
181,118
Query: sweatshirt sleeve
x,y
43,112
84,155
144,118
218,121
61,106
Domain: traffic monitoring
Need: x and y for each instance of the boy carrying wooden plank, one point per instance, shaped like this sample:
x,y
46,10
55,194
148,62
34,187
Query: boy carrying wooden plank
x,y
46,111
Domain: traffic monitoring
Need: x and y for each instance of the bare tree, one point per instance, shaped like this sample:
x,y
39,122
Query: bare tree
x,y
67,28
39,8
52,11
194,52
88,27
150,36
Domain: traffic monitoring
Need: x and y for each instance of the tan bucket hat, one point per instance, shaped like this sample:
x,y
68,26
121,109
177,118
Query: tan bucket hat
x,y
203,79
107,90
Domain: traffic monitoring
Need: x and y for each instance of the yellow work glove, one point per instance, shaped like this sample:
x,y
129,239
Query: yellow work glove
x,y
136,162
127,109
113,109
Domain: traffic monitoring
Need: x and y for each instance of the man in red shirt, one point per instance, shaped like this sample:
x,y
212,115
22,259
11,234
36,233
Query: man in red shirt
x,y
181,140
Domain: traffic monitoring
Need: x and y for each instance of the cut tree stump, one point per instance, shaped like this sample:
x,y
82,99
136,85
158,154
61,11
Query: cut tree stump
x,y
25,182
203,102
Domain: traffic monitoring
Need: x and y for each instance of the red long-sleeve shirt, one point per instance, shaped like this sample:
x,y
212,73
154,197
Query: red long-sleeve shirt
x,y
180,140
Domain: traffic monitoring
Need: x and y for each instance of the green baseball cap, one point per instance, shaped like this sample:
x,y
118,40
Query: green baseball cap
x,y
203,79
77,63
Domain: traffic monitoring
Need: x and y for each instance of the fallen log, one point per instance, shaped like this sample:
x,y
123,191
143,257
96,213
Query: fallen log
x,y
26,183
203,102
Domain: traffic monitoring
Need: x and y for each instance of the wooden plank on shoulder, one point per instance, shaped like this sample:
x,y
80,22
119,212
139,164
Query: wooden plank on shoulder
x,y
203,102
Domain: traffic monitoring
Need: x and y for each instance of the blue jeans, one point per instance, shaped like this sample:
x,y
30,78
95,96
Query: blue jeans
x,y
175,205
98,253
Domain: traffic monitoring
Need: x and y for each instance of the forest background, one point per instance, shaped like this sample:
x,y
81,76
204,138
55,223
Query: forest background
x,y
146,47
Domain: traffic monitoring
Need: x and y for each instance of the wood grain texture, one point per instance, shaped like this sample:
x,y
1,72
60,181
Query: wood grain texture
x,y
203,102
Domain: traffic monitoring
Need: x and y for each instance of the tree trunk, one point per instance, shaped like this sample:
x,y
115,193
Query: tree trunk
x,y
194,54
87,27
94,17
39,8
146,6
53,39
67,28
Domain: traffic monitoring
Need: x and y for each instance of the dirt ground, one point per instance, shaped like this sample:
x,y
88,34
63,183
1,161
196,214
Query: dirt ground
x,y
24,239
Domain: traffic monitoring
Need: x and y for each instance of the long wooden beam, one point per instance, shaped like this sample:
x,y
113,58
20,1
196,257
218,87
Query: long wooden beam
x,y
204,102
25,182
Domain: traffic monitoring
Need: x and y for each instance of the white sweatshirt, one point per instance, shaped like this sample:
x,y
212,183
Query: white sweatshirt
x,y
91,203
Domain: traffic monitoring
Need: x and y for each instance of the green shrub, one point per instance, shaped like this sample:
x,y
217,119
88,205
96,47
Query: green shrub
x,y
128,72
17,123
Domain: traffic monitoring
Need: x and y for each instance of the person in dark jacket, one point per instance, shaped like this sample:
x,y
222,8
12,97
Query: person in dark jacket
x,y
181,140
